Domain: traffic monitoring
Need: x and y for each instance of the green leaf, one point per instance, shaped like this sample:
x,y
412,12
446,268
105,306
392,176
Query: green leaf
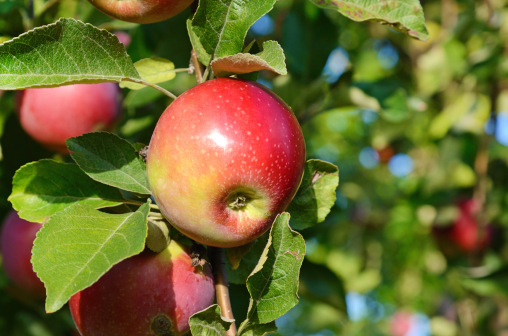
x,y
493,284
467,112
273,284
40,189
219,28
319,283
154,70
254,329
8,5
403,15
395,107
110,160
67,51
271,58
248,261
80,244
209,322
316,194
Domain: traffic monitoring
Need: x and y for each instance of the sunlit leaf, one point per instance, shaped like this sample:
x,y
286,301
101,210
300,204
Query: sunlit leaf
x,y
209,322
219,28
79,244
67,51
40,189
154,70
273,284
404,15
110,160
271,58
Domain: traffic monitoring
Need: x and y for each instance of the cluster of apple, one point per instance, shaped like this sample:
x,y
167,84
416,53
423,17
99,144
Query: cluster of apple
x,y
224,159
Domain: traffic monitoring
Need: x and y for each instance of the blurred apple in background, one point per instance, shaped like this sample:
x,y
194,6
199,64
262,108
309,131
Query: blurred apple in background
x,y
457,230
141,11
52,115
466,231
16,242
385,153
400,323
123,37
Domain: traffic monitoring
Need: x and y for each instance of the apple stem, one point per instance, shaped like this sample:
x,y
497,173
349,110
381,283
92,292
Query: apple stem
x,y
218,260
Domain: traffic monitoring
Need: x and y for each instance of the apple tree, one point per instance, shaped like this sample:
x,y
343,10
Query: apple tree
x,y
402,119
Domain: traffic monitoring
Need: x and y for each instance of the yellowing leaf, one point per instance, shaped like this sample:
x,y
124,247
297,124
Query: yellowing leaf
x,y
154,70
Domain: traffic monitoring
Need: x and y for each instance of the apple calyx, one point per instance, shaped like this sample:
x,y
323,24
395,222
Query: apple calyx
x,y
161,325
143,152
239,199
246,200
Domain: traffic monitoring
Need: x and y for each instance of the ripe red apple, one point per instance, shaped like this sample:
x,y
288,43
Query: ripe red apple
x,y
148,294
466,232
16,244
141,11
225,158
52,115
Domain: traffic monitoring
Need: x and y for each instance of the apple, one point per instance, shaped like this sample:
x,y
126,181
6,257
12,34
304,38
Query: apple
x,y
147,294
466,232
400,323
459,230
141,11
224,159
16,244
123,37
385,154
52,115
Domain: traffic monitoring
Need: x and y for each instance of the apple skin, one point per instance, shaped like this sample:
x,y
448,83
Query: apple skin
x,y
142,292
16,244
224,159
52,115
141,11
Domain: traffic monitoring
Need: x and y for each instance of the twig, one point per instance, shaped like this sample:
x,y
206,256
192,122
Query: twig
x,y
492,11
197,66
218,260
481,162
480,166
449,14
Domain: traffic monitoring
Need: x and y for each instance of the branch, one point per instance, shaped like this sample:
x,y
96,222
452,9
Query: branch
x,y
218,261
481,162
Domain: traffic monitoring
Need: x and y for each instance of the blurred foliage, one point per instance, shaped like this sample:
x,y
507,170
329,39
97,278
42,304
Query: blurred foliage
x,y
414,127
